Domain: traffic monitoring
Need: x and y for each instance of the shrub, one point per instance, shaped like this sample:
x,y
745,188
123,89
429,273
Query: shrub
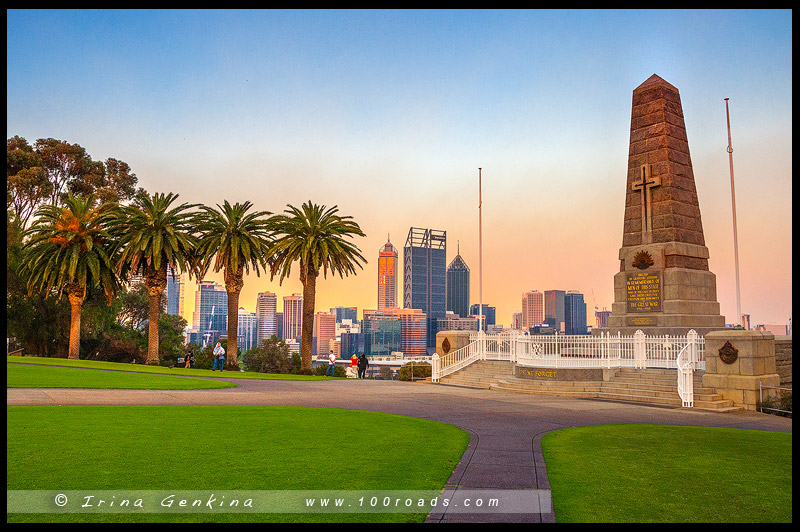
x,y
338,371
420,371
782,402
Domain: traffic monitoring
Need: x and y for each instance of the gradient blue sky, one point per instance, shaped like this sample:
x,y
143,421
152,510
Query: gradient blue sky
x,y
389,114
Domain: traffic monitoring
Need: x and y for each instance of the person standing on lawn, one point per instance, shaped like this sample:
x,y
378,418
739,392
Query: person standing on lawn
x,y
219,357
362,366
331,364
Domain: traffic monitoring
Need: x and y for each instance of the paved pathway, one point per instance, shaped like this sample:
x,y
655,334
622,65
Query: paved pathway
x,y
505,429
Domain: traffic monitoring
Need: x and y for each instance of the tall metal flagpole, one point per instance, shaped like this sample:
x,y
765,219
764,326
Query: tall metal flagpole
x,y
733,204
480,257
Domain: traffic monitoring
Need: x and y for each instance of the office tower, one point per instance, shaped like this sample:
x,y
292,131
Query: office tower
x,y
425,277
324,332
247,336
352,343
489,313
266,310
173,292
382,334
532,309
387,276
345,313
413,329
451,322
516,321
293,317
210,316
182,297
574,313
458,286
554,309
279,325
601,317
745,321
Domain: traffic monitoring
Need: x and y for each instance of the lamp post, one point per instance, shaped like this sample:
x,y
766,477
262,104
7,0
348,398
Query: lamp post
x,y
733,205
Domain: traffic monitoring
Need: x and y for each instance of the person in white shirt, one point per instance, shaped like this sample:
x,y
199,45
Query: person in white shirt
x,y
219,356
331,364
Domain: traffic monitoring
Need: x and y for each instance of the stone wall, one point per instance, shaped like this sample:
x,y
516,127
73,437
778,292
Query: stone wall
x,y
783,359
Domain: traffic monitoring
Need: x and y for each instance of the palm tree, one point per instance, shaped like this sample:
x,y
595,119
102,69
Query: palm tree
x,y
317,237
151,237
239,241
69,250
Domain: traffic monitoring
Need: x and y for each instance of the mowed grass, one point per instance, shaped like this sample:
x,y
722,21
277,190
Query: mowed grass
x,y
30,376
659,473
161,370
225,448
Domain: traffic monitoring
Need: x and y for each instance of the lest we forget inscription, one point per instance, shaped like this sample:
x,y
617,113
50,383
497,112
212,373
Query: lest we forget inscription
x,y
644,292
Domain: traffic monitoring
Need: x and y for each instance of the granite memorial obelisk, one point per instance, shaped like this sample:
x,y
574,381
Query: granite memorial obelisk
x,y
664,285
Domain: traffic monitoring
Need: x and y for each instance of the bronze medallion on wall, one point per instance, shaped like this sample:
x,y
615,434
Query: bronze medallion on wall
x,y
728,353
445,346
642,260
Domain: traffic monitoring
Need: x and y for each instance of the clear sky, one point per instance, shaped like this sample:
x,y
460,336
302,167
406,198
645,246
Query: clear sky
x,y
389,114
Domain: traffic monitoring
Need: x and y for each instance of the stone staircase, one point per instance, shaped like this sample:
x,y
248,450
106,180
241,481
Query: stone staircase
x,y
648,386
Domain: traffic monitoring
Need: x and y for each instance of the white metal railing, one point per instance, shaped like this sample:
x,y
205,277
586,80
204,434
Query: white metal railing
x,y
686,363
568,351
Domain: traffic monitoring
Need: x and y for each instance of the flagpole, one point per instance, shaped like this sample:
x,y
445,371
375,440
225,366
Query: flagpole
x,y
480,257
733,205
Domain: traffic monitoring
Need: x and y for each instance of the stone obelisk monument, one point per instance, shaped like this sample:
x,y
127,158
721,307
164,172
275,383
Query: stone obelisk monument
x,y
663,285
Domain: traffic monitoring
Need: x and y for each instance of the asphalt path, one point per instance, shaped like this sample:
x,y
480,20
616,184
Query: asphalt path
x,y
504,452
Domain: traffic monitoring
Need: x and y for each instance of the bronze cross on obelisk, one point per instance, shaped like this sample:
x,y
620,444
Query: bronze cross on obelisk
x,y
645,183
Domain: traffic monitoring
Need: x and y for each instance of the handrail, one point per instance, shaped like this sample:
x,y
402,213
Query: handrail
x,y
454,361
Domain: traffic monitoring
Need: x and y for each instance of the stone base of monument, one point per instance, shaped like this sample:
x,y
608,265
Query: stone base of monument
x,y
738,363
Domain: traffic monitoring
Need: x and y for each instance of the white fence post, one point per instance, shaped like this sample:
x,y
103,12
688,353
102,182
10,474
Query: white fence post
x,y
435,367
639,356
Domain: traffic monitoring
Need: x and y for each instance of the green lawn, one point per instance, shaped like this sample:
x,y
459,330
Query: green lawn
x,y
30,376
659,473
141,368
225,448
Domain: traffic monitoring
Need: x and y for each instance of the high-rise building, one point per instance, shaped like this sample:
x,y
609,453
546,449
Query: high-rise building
x,y
413,329
574,313
247,336
382,334
489,313
352,343
601,318
279,326
532,309
453,323
387,276
210,316
293,317
173,293
425,277
746,321
324,332
458,286
516,321
554,309
345,313
182,297
266,309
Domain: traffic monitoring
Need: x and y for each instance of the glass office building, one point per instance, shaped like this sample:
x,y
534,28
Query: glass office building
x,y
458,287
574,313
425,277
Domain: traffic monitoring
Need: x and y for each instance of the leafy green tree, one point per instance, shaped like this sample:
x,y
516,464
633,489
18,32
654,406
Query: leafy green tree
x,y
28,184
270,356
69,250
152,236
318,238
236,241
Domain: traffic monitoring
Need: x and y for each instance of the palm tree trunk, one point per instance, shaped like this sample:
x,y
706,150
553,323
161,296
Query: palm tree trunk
x,y
232,354
156,282
76,296
309,296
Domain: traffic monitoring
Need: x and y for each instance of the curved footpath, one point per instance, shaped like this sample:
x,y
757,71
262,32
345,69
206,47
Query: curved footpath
x,y
505,429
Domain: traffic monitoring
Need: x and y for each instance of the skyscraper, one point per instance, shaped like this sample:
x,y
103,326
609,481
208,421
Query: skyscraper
x,y
173,293
458,286
266,309
554,309
387,276
490,313
210,316
293,317
382,334
574,313
345,313
248,330
532,309
413,329
425,277
324,332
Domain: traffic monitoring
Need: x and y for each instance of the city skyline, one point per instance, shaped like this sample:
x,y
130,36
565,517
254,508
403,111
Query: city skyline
x,y
389,114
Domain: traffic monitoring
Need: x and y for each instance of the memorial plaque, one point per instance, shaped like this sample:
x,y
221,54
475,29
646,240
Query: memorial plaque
x,y
644,292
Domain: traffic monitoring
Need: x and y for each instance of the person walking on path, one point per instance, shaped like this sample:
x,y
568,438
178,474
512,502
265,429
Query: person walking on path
x,y
219,357
362,366
188,358
331,364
